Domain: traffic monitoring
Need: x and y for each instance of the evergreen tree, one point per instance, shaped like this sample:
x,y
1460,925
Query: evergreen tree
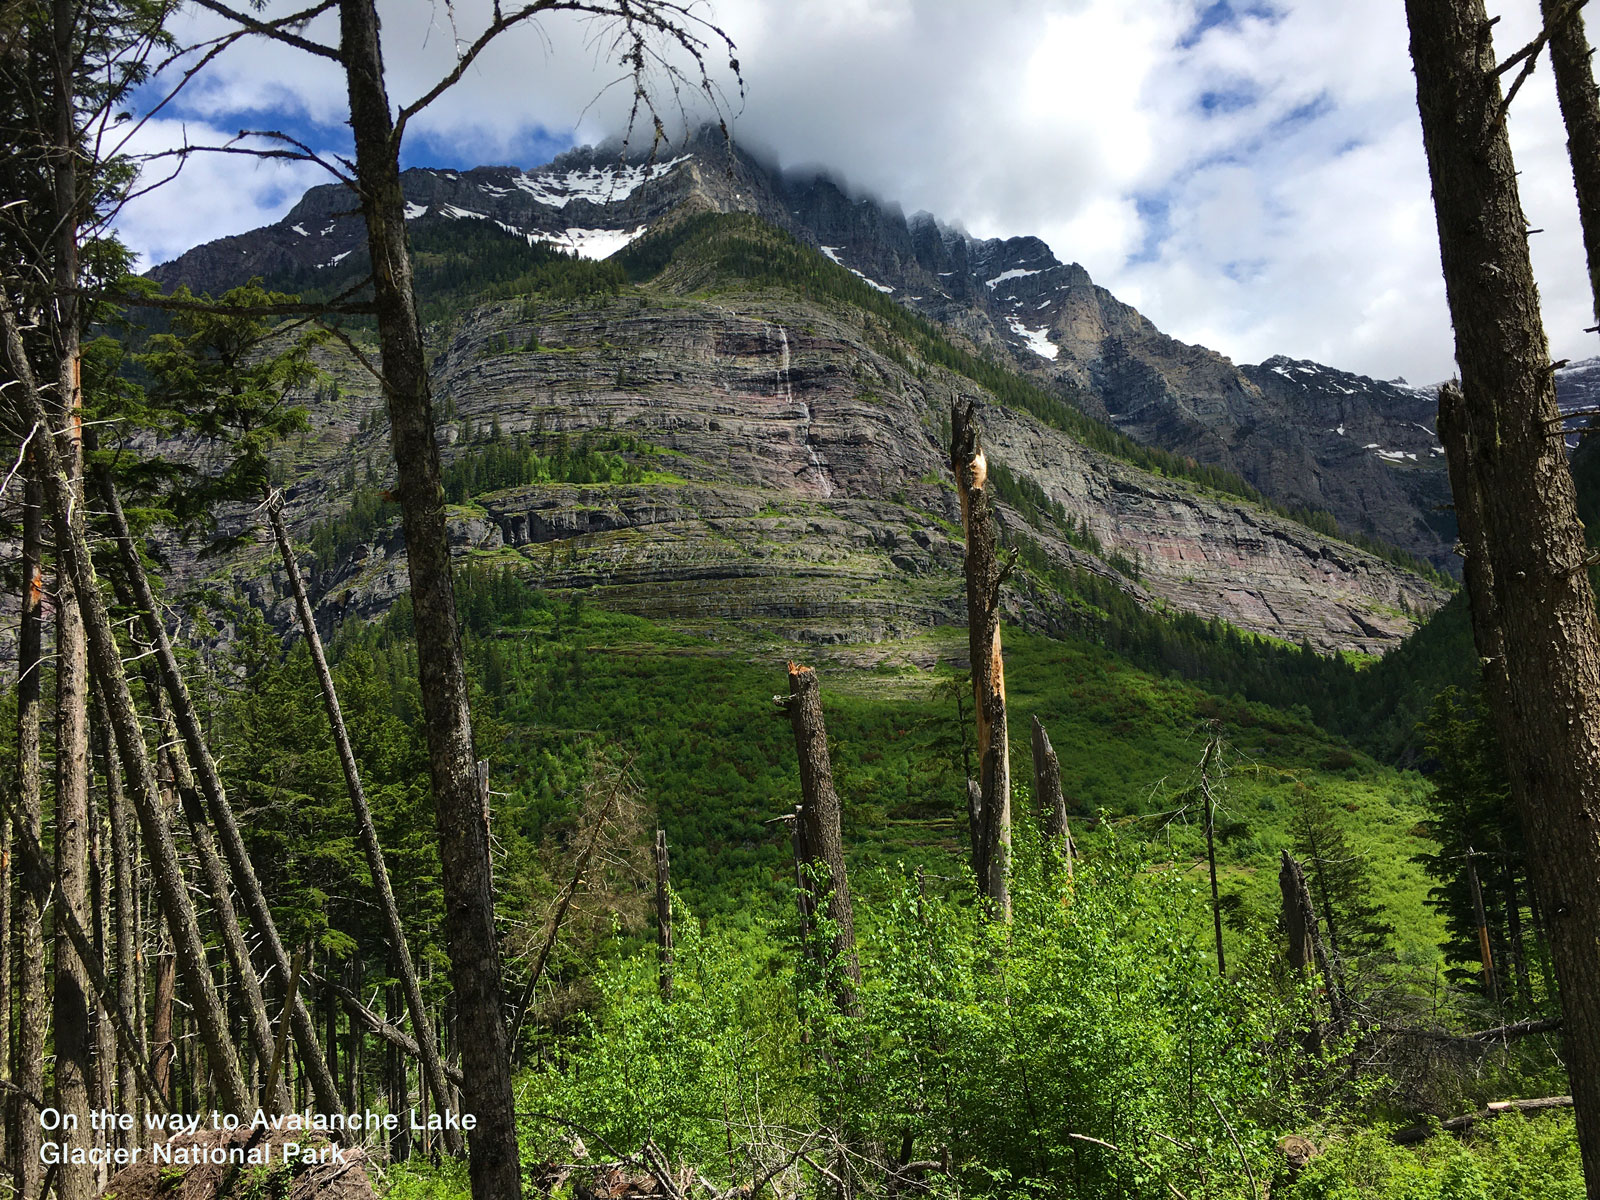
x,y
1341,881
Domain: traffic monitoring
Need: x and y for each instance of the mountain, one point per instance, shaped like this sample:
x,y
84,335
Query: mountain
x,y
762,433
1276,425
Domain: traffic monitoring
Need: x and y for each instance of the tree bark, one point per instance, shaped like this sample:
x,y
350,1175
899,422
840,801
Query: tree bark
x,y
1521,489
1580,109
70,1000
421,1019
163,1051
461,808
210,787
663,915
984,574
1305,941
106,661
124,938
1052,804
22,1109
823,839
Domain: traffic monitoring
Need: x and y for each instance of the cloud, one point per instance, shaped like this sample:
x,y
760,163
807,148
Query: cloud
x,y
1249,173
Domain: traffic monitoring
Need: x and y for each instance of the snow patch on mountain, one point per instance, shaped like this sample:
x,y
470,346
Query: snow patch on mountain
x,y
1037,339
589,243
597,185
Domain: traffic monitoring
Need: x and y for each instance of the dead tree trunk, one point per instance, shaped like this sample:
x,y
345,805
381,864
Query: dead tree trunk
x,y
23,1105
106,662
209,786
984,574
421,1019
663,914
1517,484
820,819
1051,803
1305,940
1207,761
1580,109
460,805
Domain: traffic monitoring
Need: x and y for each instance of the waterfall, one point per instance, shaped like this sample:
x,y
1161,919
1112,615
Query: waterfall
x,y
824,484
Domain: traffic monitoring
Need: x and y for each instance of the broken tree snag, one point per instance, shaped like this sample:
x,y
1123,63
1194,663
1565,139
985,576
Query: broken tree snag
x,y
820,839
1292,884
664,913
1052,804
984,574
1292,878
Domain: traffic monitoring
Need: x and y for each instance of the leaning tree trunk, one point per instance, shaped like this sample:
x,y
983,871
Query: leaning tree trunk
x,y
992,857
1518,485
23,1105
822,837
460,805
125,930
209,781
421,1018
106,662
1580,109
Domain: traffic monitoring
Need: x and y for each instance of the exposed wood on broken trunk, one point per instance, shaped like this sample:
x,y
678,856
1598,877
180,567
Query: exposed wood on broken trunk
x,y
984,575
1418,1133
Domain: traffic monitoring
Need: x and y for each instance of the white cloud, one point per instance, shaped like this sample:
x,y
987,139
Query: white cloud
x,y
213,195
1260,188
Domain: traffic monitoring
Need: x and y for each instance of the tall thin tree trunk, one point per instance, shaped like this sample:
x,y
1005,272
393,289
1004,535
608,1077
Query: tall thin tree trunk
x,y
1051,803
421,1019
210,787
1519,952
104,1075
1213,748
984,575
125,937
819,818
460,806
163,1051
1580,109
7,1059
70,1003
663,915
1491,986
23,1105
1519,487
106,661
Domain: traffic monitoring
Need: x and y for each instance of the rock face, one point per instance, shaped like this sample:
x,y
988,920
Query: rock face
x,y
1273,424
794,481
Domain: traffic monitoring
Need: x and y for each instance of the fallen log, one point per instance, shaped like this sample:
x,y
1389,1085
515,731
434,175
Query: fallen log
x,y
1418,1133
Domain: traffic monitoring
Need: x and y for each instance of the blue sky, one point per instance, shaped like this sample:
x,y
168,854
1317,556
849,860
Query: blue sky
x,y
1247,174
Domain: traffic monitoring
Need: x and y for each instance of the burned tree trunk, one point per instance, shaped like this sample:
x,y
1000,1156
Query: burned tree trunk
x,y
663,914
822,838
1052,804
1580,109
1518,486
984,574
460,805
421,1019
